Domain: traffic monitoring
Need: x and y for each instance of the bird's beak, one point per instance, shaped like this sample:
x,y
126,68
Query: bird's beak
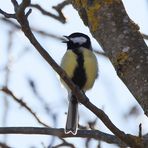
x,y
65,39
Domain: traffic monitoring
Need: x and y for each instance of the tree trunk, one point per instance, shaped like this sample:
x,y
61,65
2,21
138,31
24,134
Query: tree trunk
x,y
121,40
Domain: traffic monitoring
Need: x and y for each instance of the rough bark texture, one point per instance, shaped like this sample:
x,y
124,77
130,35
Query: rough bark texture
x,y
119,37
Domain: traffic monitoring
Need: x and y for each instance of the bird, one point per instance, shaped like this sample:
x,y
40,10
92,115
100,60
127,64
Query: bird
x,y
80,64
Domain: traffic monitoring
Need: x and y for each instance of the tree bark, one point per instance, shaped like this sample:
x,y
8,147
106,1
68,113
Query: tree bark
x,y
120,38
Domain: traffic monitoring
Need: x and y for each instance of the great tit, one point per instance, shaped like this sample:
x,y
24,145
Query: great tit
x,y
80,64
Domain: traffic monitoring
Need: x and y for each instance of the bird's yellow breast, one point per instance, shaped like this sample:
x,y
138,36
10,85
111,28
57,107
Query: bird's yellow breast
x,y
91,68
69,63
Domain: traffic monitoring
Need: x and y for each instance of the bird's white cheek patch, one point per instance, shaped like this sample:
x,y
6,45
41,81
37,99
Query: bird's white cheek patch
x,y
79,40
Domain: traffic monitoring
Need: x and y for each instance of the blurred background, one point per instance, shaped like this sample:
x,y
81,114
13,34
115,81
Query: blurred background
x,y
33,81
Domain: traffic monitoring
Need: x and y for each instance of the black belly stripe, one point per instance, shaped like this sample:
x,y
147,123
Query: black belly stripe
x,y
79,77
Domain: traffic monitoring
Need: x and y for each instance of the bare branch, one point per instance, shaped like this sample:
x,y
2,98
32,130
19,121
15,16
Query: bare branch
x,y
145,36
60,17
17,26
100,53
22,103
7,15
29,12
3,145
15,4
64,143
61,5
140,130
95,134
42,101
88,140
8,65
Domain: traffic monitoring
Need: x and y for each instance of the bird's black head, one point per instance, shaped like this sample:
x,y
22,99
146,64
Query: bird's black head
x,y
77,40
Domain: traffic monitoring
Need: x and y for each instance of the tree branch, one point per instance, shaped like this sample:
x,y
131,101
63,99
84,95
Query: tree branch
x,y
145,36
60,17
3,145
64,143
22,103
7,15
41,32
95,134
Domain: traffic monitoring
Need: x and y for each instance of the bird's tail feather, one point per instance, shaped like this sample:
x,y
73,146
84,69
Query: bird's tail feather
x,y
72,116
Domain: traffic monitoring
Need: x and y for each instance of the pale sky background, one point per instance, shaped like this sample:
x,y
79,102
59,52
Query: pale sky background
x,y
108,93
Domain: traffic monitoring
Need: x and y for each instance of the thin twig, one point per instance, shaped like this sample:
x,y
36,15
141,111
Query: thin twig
x,y
64,144
42,101
7,15
41,32
140,130
100,53
8,65
145,36
87,142
60,17
22,103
